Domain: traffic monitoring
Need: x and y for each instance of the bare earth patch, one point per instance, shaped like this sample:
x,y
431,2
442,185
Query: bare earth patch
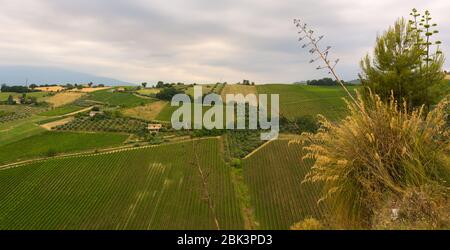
x,y
50,125
147,112
64,98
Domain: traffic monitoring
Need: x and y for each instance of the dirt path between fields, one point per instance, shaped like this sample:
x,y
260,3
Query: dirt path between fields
x,y
50,125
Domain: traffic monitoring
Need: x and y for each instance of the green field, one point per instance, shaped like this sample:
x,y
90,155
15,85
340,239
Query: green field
x,y
302,100
123,99
41,96
57,142
151,188
273,176
16,130
63,110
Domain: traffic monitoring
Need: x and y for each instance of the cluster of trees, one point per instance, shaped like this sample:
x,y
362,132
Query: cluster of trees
x,y
15,89
24,99
323,82
247,82
167,93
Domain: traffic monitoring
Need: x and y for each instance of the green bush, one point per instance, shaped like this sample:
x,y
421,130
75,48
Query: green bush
x,y
376,152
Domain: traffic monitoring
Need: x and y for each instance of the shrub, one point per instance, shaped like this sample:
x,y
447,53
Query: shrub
x,y
50,153
377,151
236,163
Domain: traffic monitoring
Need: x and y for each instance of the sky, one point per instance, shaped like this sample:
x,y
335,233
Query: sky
x,y
198,40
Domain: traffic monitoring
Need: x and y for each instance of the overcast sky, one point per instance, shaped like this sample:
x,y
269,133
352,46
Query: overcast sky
x,y
197,40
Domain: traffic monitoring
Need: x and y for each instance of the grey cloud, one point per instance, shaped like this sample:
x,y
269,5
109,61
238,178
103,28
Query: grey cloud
x,y
196,40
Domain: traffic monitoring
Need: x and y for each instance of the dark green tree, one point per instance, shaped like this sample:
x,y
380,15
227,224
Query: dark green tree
x,y
403,65
10,100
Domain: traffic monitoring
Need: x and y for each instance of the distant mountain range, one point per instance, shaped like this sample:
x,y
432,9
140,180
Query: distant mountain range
x,y
18,75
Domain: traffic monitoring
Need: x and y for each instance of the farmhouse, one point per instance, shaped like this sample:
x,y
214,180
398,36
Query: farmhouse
x,y
154,127
120,90
94,113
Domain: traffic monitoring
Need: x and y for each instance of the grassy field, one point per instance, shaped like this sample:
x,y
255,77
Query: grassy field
x,y
301,100
20,129
148,112
148,91
57,142
67,109
64,98
123,99
274,175
238,89
151,188
40,96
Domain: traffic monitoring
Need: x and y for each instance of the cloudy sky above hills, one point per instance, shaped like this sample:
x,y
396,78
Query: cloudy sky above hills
x,y
197,40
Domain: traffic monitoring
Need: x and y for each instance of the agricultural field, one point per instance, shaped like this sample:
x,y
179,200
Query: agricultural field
x,y
238,89
149,91
62,110
302,100
178,186
53,122
64,98
51,88
51,143
19,129
273,175
122,99
206,89
112,124
10,113
40,96
89,90
148,112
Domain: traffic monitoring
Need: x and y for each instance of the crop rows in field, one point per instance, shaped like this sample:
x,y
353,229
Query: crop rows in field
x,y
151,188
300,100
122,99
114,124
274,175
240,143
16,112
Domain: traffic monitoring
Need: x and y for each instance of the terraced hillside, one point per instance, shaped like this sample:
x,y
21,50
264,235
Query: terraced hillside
x,y
274,175
174,186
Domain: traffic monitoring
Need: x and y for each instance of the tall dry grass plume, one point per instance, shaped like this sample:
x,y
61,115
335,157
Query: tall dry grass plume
x,y
379,151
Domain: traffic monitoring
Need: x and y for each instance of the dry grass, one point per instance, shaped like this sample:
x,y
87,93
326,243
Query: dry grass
x,y
447,77
375,153
89,90
147,112
50,89
238,89
64,98
148,91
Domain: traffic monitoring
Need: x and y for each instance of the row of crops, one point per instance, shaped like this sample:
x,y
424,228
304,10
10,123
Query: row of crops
x,y
110,124
10,113
274,175
240,143
147,188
